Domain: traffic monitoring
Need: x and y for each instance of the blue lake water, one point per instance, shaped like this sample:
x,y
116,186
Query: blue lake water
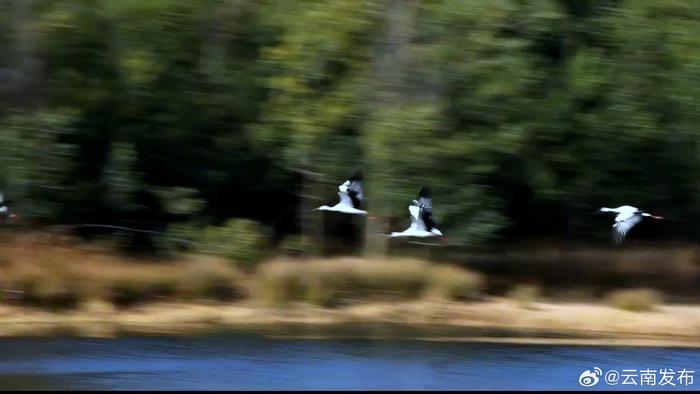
x,y
241,361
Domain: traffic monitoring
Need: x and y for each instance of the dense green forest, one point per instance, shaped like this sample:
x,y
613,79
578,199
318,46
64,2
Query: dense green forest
x,y
523,116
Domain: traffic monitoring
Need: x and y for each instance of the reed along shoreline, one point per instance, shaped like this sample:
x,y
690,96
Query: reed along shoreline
x,y
495,320
78,288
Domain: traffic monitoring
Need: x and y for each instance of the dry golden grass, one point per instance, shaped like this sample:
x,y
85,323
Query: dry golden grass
x,y
525,295
575,265
574,294
58,276
635,300
333,282
678,325
37,271
454,283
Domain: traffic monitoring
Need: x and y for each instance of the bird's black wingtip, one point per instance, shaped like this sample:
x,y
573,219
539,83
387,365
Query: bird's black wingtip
x,y
357,176
424,192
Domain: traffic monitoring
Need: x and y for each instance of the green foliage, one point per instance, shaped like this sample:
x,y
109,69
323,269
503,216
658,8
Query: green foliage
x,y
35,162
242,241
519,114
119,177
179,200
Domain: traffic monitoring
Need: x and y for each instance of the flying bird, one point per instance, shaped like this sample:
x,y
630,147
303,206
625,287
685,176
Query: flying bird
x,y
627,217
5,209
351,198
422,222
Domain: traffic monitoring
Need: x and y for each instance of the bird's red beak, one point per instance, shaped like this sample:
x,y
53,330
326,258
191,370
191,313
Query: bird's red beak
x,y
13,216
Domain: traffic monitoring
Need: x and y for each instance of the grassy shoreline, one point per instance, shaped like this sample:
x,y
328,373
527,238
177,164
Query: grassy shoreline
x,y
496,320
68,287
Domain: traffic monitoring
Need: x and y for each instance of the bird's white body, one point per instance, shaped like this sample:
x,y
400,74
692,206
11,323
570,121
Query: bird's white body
x,y
3,207
418,227
346,204
343,208
414,232
624,212
627,217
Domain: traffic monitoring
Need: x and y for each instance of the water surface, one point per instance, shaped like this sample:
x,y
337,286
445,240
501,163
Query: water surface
x,y
242,361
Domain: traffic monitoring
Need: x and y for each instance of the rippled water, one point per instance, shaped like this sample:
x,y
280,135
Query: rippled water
x,y
242,361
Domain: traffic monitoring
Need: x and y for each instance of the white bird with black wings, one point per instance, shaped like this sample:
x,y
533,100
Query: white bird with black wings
x,y
422,223
627,217
5,209
350,193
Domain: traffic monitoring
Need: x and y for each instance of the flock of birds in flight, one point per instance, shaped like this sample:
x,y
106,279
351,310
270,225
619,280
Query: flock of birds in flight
x,y
420,209
421,212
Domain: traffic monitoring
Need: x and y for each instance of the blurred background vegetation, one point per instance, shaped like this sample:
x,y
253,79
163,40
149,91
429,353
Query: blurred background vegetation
x,y
229,120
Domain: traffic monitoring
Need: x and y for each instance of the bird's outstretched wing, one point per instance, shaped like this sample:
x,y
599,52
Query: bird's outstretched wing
x,y
623,226
354,189
416,222
425,203
350,192
427,218
425,199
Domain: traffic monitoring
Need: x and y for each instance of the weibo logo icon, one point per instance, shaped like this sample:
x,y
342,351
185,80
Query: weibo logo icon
x,y
590,378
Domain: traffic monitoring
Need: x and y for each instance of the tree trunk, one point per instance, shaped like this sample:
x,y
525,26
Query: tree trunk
x,y
386,90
